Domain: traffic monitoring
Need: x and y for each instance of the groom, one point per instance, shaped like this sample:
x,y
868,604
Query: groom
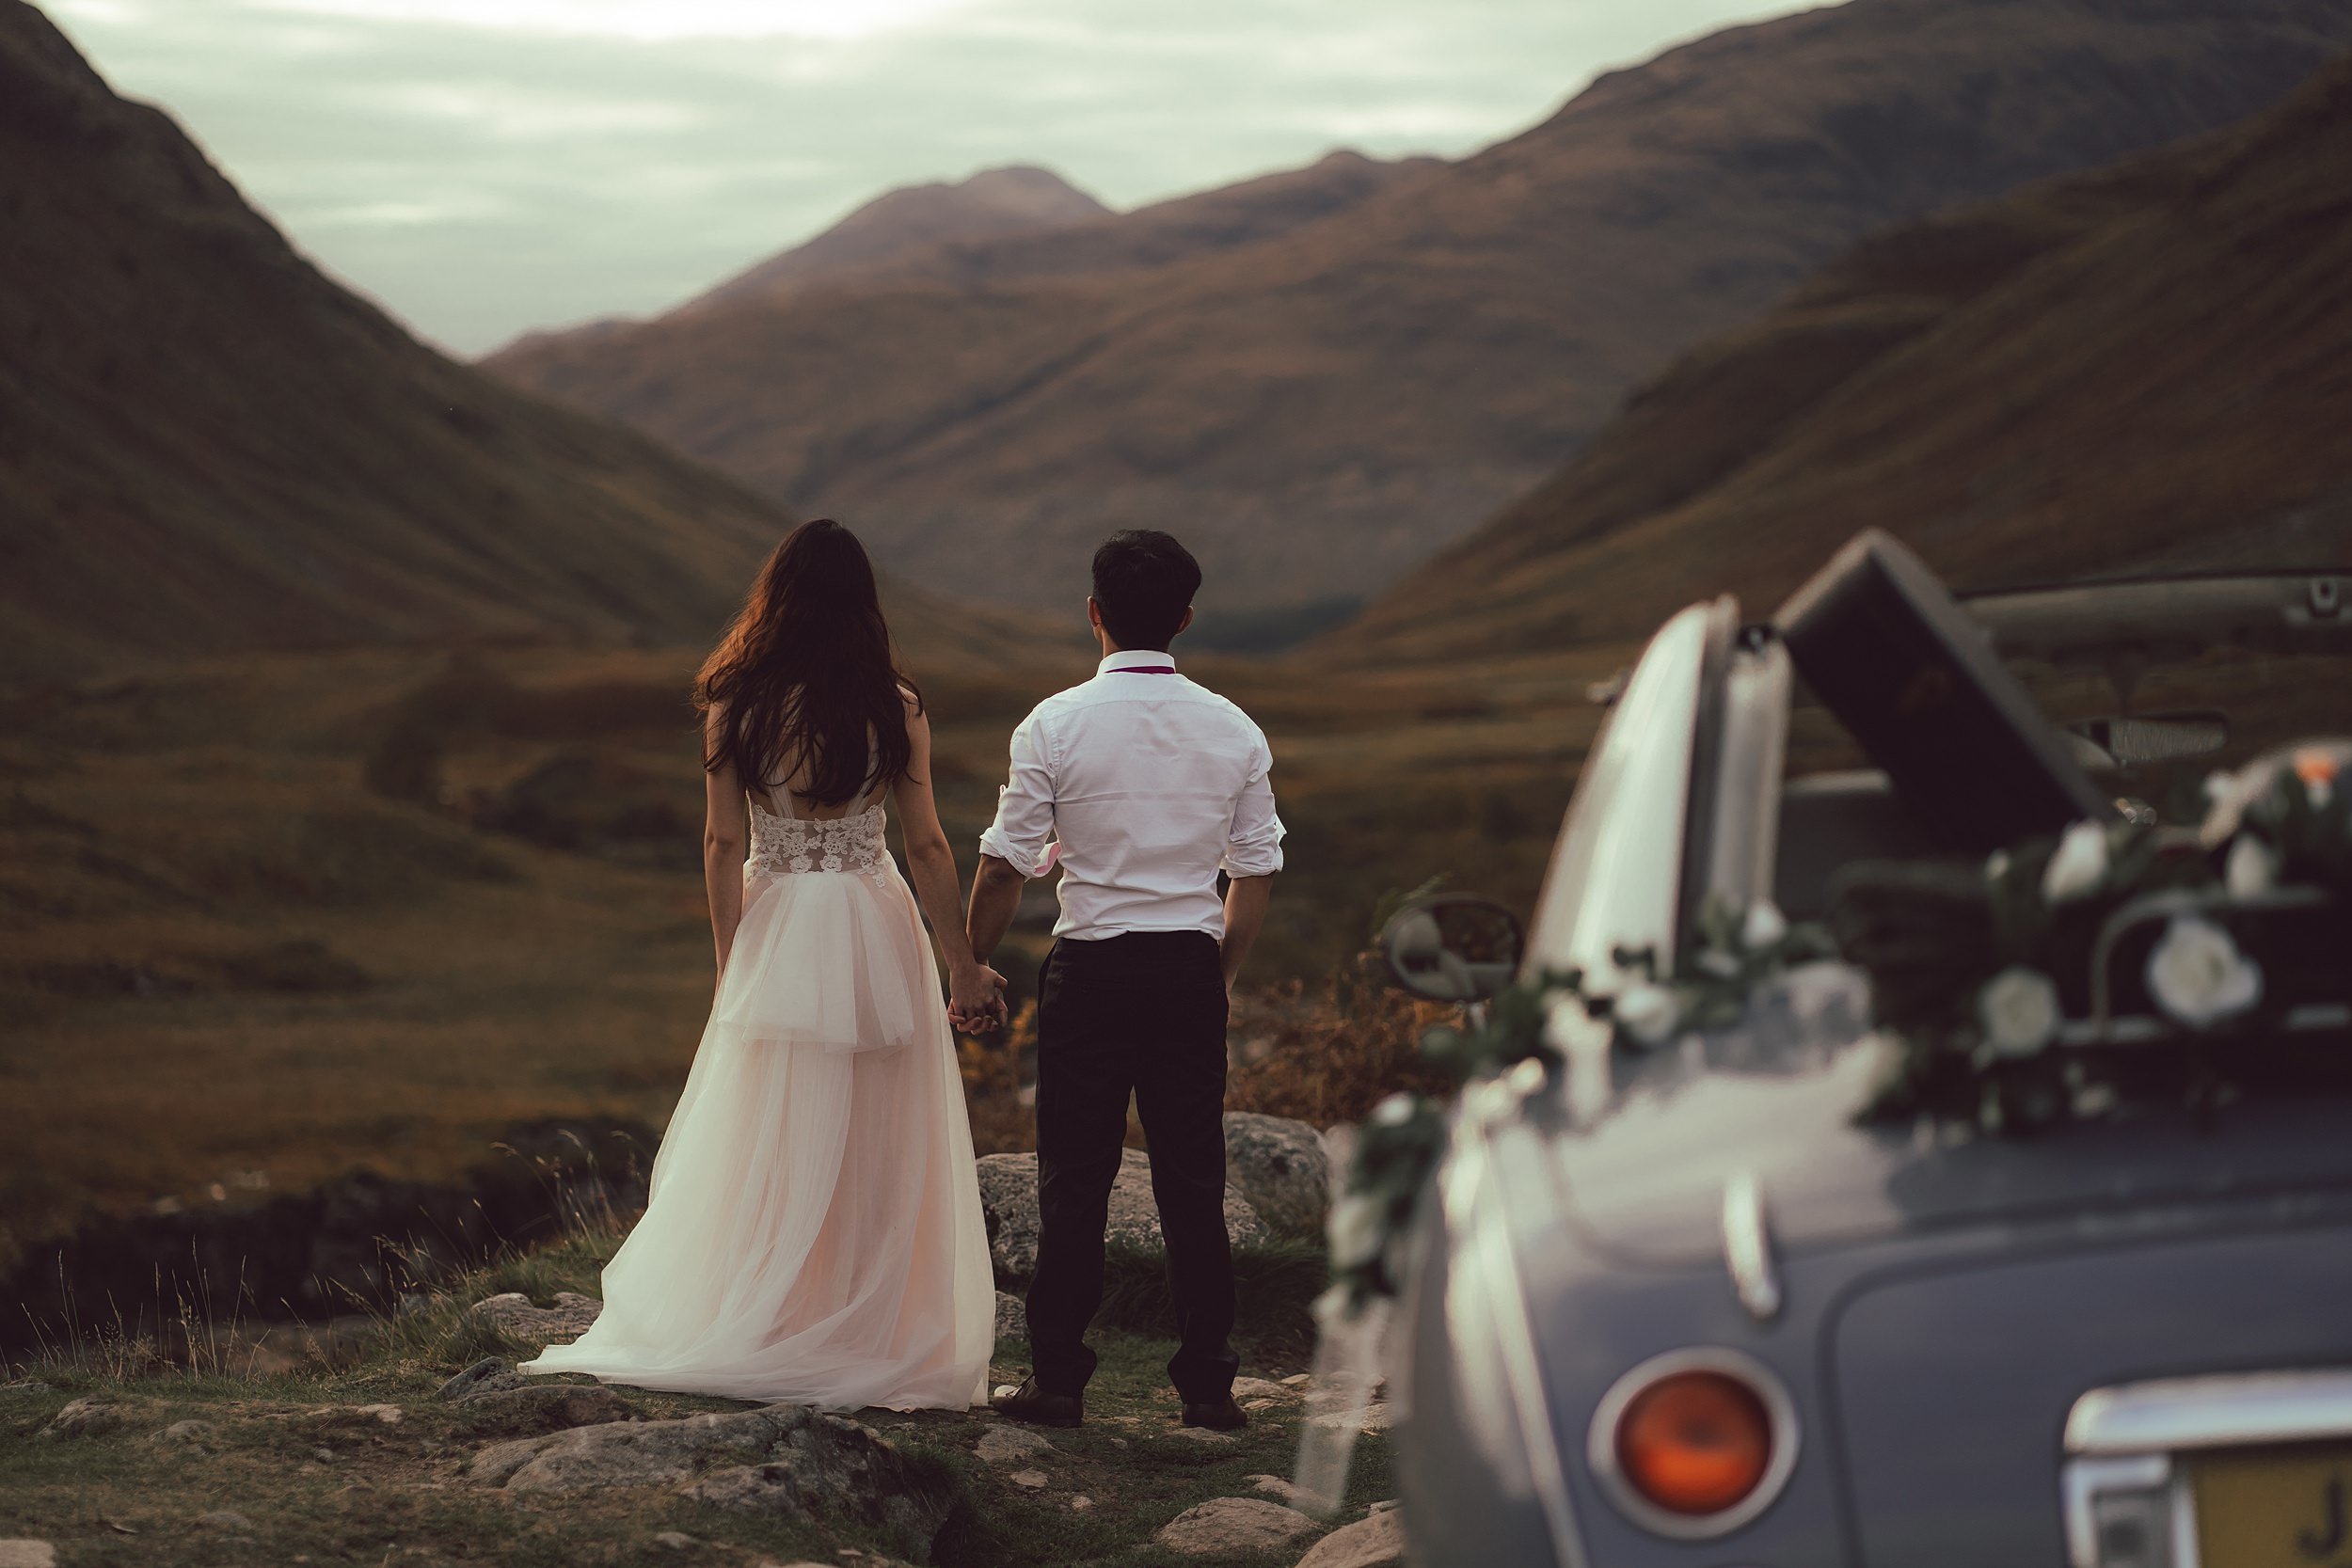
x,y
1143,787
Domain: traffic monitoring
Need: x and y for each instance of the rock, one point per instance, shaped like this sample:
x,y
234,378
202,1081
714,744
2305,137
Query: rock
x,y
545,1407
1298,1380
512,1315
781,1459
1274,1486
1006,1444
1008,1203
25,1552
1377,1541
1258,1404
1383,1505
1081,1504
386,1415
188,1432
1376,1418
676,1540
486,1376
84,1418
1259,1388
1030,1480
1012,1316
1207,1436
1280,1166
225,1519
1223,1525
819,1480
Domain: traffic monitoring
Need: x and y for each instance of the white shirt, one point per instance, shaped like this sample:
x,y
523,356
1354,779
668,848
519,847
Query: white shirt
x,y
1148,786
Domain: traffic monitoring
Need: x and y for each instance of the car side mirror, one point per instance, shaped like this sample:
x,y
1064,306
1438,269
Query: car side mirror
x,y
1453,947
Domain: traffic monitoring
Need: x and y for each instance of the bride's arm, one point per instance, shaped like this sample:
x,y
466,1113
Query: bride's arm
x,y
727,834
972,986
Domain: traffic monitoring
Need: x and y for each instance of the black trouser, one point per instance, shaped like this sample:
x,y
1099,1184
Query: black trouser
x,y
1144,1013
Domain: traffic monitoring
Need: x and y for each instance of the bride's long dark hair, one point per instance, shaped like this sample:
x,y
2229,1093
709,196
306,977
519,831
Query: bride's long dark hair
x,y
803,680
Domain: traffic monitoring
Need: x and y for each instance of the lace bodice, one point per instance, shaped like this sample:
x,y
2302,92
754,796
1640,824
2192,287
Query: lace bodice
x,y
785,845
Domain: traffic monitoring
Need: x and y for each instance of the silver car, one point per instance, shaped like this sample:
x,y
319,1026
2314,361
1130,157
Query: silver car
x,y
1844,1274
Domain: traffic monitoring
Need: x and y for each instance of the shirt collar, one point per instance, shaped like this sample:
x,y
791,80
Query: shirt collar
x,y
1136,658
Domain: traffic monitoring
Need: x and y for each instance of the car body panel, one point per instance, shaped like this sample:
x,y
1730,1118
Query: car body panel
x,y
1939,1298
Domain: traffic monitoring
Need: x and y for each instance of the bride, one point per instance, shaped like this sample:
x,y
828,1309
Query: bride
x,y
814,1230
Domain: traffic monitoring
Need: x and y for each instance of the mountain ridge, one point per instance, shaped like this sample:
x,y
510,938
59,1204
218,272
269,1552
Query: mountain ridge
x,y
2133,370
1320,408
207,446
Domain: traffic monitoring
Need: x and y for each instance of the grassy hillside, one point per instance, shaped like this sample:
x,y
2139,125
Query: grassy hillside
x,y
266,919
2139,369
206,445
1320,409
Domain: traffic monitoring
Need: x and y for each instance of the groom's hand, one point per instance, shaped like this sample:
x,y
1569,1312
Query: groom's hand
x,y
977,1014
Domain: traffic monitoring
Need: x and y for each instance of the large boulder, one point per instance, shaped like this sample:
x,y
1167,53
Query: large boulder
x,y
1009,1201
1375,1543
544,1407
513,1316
1229,1524
783,1460
86,1417
1281,1167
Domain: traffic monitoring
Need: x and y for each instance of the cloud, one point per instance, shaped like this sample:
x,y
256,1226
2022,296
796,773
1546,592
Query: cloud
x,y
485,166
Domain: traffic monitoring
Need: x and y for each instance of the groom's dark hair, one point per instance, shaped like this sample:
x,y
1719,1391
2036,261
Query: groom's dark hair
x,y
1143,583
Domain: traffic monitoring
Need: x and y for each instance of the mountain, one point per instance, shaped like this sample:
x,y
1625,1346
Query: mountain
x,y
917,218
207,446
1320,407
2139,369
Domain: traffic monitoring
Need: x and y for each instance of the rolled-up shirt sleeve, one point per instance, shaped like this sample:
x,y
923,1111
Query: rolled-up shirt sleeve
x,y
1253,846
1025,806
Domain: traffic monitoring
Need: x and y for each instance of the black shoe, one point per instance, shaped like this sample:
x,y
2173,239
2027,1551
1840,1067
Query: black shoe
x,y
1216,1415
1034,1405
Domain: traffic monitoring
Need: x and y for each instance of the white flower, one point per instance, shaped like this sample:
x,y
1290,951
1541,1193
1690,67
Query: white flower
x,y
830,862
1764,928
801,862
2019,1011
1646,1012
2252,868
1395,1110
2198,975
1355,1231
2080,864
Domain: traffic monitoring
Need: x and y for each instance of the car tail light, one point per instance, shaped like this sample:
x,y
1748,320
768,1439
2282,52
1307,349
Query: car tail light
x,y
1695,1443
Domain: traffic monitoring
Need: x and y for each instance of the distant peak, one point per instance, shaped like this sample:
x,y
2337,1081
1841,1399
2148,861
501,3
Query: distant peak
x,y
1031,183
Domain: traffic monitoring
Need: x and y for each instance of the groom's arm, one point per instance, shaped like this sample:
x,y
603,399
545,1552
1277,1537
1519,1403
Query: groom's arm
x,y
1253,853
1246,901
995,895
1014,847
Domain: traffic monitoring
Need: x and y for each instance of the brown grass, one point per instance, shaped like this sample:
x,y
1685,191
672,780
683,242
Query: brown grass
x,y
228,962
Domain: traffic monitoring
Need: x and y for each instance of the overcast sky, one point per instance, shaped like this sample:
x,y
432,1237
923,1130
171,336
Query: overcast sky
x,y
485,167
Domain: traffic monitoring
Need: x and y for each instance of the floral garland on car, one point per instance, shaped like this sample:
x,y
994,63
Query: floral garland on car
x,y
1978,977
1972,972
1511,1049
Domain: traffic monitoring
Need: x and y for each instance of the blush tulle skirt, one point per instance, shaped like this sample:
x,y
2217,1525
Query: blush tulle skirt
x,y
813,1233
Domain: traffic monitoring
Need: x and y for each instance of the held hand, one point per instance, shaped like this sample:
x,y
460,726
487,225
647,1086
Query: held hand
x,y
975,999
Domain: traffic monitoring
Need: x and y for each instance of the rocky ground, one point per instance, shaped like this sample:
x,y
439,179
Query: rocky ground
x,y
430,1448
